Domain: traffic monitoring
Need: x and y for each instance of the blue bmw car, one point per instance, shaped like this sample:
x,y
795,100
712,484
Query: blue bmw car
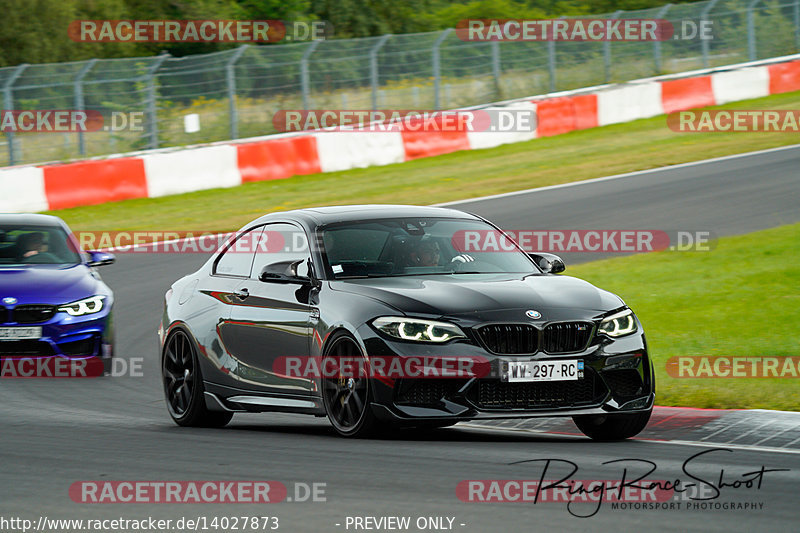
x,y
53,304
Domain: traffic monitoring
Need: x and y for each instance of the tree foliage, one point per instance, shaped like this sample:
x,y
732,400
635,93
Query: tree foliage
x,y
35,31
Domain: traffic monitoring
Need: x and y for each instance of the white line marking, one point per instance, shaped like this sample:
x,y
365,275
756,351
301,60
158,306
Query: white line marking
x,y
751,431
744,447
790,443
618,176
775,435
723,429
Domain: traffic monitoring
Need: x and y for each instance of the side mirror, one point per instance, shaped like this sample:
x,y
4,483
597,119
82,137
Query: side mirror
x,y
97,259
549,263
286,272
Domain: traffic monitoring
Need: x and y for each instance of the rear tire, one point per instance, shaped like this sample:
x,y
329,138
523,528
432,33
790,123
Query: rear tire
x,y
183,385
612,427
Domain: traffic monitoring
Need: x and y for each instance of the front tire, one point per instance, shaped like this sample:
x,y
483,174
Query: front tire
x,y
613,427
183,385
347,398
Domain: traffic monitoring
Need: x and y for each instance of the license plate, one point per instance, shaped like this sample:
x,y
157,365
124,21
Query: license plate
x,y
16,334
526,371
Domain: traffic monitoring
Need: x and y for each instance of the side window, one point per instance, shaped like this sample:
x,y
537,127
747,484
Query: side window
x,y
280,243
237,259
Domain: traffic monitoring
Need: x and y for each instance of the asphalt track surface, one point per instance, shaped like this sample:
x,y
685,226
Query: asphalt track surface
x,y
57,432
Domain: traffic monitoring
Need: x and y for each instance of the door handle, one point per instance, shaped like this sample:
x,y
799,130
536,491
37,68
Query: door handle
x,y
242,294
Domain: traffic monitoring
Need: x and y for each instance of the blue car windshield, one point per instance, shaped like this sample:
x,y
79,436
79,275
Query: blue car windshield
x,y
426,246
30,245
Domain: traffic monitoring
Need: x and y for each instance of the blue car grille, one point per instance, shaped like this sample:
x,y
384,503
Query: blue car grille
x,y
31,314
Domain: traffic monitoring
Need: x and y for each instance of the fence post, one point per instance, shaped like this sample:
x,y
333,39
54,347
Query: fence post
x,y
751,38
607,50
150,78
437,68
230,74
797,24
373,68
704,42
304,78
8,105
657,43
751,30
79,104
496,69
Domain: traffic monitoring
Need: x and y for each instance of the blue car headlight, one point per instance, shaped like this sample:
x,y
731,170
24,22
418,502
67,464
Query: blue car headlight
x,y
619,324
417,329
87,306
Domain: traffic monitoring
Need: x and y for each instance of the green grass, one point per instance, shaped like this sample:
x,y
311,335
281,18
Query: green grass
x,y
638,145
741,299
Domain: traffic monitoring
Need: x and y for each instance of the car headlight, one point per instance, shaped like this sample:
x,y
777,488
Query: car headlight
x,y
87,306
619,324
417,329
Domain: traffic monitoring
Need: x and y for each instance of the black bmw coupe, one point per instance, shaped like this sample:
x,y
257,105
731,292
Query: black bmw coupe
x,y
398,316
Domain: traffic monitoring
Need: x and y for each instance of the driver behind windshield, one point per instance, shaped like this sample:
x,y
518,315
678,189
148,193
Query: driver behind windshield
x,y
31,244
425,254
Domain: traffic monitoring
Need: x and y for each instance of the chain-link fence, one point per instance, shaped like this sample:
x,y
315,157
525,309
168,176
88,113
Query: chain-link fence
x,y
236,92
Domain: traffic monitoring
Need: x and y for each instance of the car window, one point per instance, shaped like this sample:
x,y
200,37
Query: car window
x,y
36,245
237,259
424,246
280,243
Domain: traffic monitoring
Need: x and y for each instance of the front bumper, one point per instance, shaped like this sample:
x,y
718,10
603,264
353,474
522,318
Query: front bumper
x,y
86,339
618,378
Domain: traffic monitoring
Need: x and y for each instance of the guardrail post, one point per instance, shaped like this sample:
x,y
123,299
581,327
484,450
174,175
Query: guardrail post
x,y
437,68
704,42
79,103
607,50
373,68
8,105
304,77
657,43
230,74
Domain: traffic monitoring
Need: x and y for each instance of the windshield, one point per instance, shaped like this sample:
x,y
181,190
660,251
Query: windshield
x,y
419,246
28,245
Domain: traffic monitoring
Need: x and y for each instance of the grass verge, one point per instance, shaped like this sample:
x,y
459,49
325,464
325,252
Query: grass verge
x,y
740,299
575,156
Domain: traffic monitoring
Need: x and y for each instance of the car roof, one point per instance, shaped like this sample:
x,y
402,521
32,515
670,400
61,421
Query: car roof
x,y
34,219
318,216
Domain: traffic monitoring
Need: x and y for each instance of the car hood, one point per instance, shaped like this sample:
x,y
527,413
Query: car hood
x,y
487,297
47,285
